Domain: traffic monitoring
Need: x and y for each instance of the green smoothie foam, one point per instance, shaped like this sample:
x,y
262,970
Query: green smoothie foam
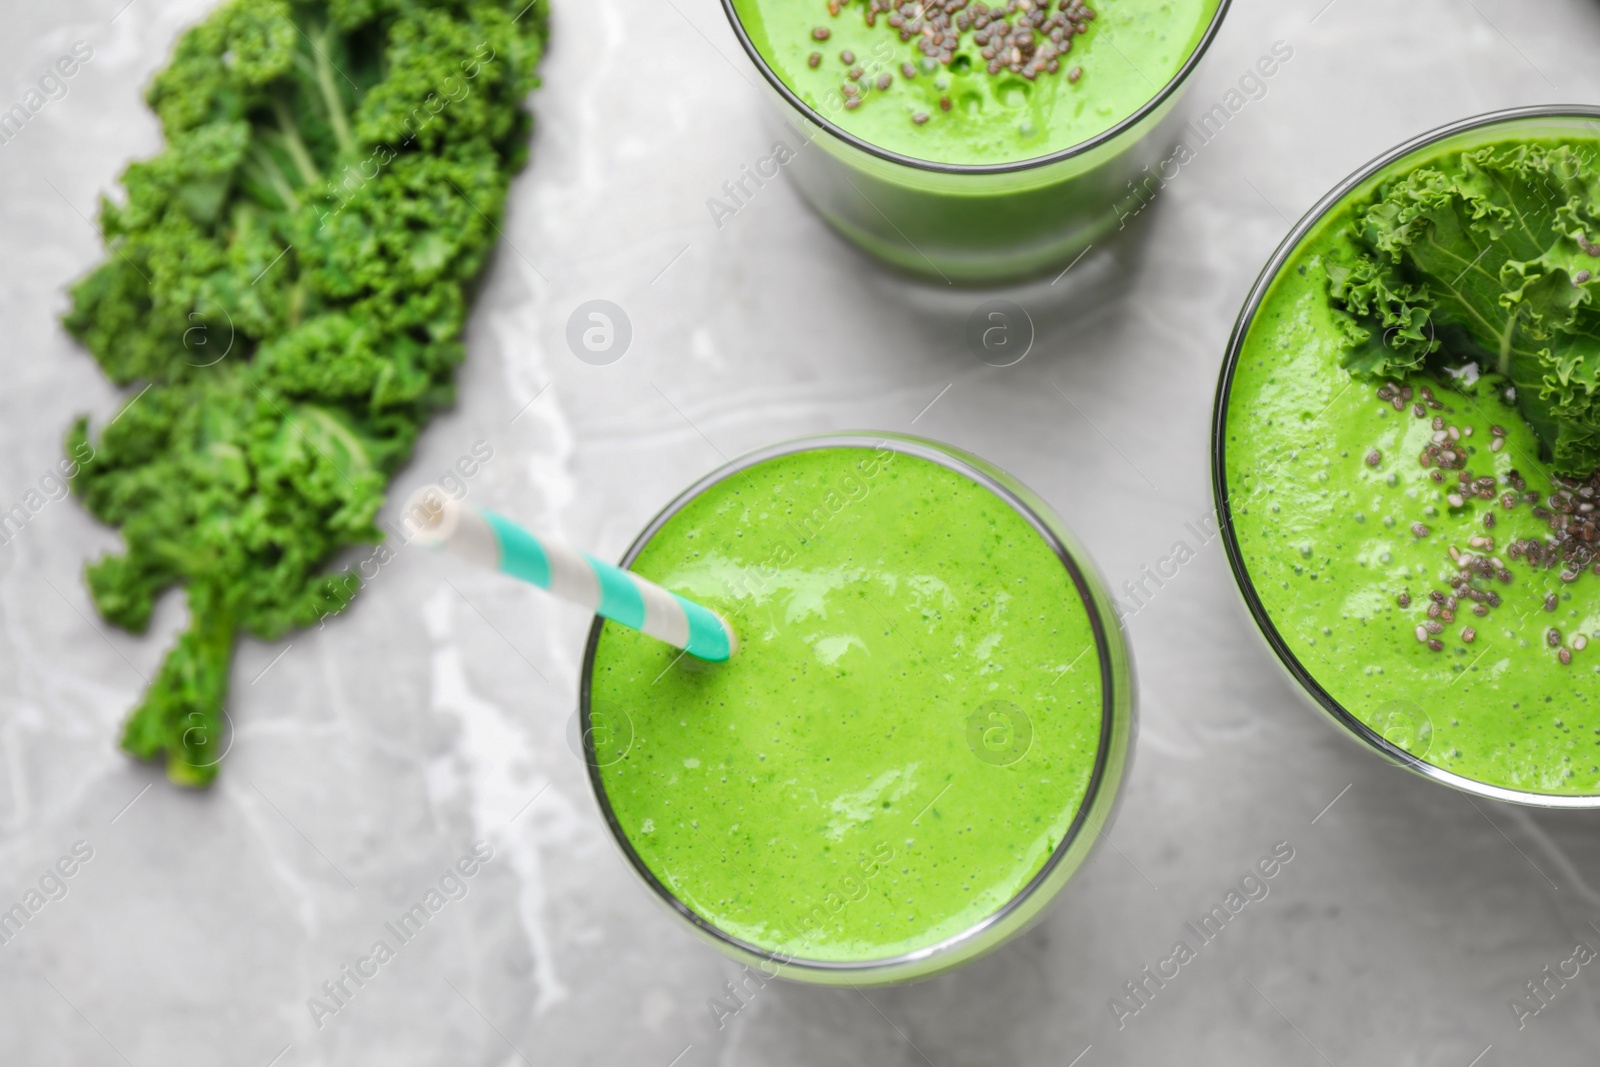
x,y
953,110
906,734
1446,614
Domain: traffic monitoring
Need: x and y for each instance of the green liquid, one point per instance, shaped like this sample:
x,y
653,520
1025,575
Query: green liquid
x,y
1132,50
908,730
1328,544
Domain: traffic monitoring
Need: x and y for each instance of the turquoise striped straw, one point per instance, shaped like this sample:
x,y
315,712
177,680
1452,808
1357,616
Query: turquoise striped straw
x,y
493,540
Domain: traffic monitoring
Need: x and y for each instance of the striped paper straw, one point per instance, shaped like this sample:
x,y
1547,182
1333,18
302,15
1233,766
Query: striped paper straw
x,y
493,540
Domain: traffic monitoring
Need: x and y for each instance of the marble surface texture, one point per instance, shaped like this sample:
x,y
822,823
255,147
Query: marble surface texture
x,y
369,756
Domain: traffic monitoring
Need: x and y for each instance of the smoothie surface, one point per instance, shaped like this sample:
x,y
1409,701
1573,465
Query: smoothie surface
x,y
908,730
1346,535
1130,51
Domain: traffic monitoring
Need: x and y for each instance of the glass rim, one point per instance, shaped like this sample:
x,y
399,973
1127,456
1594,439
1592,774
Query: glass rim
x,y
811,115
1219,474
952,459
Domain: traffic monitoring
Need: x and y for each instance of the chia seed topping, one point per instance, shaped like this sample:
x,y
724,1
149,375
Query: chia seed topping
x,y
1024,37
1571,512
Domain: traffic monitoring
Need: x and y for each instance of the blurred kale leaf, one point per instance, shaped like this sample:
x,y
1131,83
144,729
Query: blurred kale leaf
x,y
284,300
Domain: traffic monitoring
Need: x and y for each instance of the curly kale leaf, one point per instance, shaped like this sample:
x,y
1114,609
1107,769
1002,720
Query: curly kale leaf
x,y
1492,256
286,293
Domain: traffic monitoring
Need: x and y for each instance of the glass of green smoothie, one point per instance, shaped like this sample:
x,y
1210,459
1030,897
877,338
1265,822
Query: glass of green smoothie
x,y
1407,455
968,142
922,734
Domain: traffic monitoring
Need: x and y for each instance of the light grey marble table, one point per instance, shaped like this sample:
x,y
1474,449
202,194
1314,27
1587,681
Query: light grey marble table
x,y
369,756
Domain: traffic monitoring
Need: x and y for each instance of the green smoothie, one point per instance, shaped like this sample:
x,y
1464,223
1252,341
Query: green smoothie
x,y
1407,465
907,734
975,84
